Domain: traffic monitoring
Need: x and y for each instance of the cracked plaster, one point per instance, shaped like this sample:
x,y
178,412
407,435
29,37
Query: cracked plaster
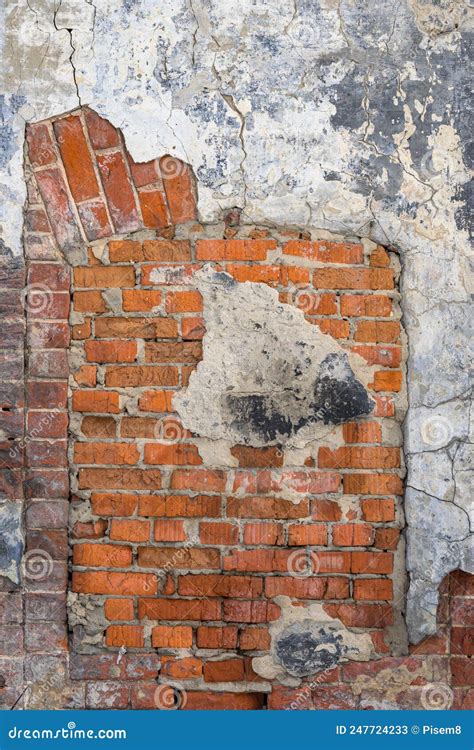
x,y
337,115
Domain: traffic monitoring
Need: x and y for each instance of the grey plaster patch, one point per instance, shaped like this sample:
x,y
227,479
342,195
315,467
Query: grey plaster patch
x,y
305,641
440,542
267,375
11,540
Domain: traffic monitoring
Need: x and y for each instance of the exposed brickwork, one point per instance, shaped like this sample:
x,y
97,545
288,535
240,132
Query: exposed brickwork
x,y
181,560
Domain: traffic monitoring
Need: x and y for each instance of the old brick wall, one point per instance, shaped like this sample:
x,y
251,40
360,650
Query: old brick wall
x,y
172,557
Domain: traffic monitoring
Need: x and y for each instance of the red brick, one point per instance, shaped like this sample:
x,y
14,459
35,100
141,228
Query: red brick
x,y
371,562
173,351
118,191
379,257
372,484
106,504
55,276
104,277
199,480
102,555
307,588
154,209
258,560
179,558
179,609
167,251
326,252
106,453
372,589
47,424
360,278
172,275
316,304
209,585
378,509
119,479
384,406
101,133
254,639
237,610
263,533
193,328
387,538
106,582
156,401
359,457
96,401
169,531
266,507
218,533
143,328
104,427
125,635
95,219
248,456
119,609
363,616
177,636
137,300
325,510
40,145
353,535
110,351
371,305
234,249
46,395
362,432
217,637
129,531
76,158
261,274
145,173
183,302
177,181
227,670
130,377
53,191
387,380
378,331
89,302
386,356
462,670
180,505
181,669
174,455
307,534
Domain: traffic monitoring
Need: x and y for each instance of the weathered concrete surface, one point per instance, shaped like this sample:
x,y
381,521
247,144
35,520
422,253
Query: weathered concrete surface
x,y
267,376
338,115
11,540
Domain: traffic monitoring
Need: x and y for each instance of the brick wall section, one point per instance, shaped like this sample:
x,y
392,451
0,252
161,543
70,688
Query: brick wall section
x,y
182,561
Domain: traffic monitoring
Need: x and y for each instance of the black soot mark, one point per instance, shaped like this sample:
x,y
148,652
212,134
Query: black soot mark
x,y
337,396
309,651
